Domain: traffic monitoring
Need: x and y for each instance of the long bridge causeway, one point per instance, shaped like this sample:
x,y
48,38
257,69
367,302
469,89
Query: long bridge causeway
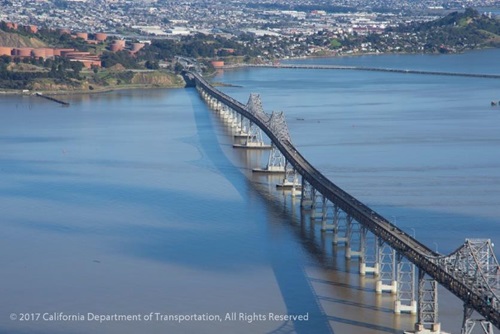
x,y
471,272
371,69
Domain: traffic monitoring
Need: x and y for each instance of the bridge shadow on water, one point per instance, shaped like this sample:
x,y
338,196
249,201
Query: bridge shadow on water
x,y
303,289
313,279
293,278
297,293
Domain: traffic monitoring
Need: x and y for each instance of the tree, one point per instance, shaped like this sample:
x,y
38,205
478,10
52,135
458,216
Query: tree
x,y
109,59
5,59
77,67
178,68
152,65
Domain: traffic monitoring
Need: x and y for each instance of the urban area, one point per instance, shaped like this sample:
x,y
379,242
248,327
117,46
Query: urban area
x,y
48,37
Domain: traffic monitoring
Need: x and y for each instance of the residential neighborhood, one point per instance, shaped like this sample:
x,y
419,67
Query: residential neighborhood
x,y
150,35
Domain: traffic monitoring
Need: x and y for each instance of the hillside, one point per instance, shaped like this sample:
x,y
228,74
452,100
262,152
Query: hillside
x,y
458,31
18,41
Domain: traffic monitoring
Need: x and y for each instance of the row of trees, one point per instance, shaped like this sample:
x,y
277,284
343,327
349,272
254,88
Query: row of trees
x,y
58,68
197,46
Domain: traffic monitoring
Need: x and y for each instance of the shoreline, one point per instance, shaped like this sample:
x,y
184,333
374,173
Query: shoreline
x,y
359,54
24,92
85,92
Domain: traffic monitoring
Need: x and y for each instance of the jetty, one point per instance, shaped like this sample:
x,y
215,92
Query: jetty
x,y
64,103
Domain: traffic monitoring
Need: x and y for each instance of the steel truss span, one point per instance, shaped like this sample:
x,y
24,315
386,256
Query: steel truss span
x,y
471,273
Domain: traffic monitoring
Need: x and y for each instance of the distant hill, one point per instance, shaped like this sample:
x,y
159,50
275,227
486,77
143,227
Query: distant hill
x,y
18,41
470,20
459,30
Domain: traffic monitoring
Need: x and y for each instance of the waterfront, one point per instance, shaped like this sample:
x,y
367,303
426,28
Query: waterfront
x,y
135,202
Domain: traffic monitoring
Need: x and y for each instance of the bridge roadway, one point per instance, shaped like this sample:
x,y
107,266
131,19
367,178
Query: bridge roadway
x,y
416,252
374,69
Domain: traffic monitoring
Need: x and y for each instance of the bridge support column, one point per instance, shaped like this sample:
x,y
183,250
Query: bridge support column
x,y
369,263
214,104
355,239
276,163
254,139
243,128
405,298
387,259
306,195
224,113
208,98
230,117
427,321
328,214
340,223
295,188
237,121
218,105
317,204
469,323
290,181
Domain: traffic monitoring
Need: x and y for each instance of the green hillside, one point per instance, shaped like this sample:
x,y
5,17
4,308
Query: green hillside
x,y
14,40
458,30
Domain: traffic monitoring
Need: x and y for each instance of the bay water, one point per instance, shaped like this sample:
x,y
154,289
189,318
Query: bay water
x,y
134,203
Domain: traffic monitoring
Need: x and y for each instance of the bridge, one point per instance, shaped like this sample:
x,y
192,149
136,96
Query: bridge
x,y
471,272
372,69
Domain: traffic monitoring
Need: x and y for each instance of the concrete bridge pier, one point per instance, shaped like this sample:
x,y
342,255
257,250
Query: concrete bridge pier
x,y
340,229
290,181
329,212
387,273
427,321
366,269
244,126
236,124
213,103
355,247
392,287
234,121
204,95
297,186
317,204
306,195
406,301
276,162
254,139
224,113
369,263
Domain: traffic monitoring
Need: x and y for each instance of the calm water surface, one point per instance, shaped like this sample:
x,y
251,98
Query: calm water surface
x,y
135,202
